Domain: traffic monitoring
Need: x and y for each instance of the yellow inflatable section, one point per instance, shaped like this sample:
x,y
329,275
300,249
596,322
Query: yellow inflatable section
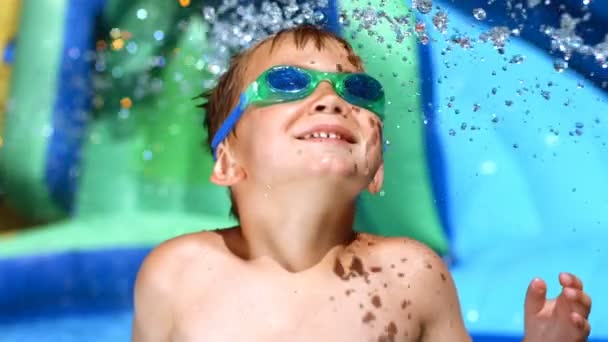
x,y
9,18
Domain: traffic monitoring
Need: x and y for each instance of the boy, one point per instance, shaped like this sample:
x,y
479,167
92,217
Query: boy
x,y
295,127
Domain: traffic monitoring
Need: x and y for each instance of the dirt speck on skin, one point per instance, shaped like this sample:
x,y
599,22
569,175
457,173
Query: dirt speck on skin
x,y
376,301
429,266
312,62
385,285
443,277
355,269
400,275
405,303
391,329
356,266
409,316
331,298
369,316
356,109
339,68
392,265
403,259
339,269
349,291
375,269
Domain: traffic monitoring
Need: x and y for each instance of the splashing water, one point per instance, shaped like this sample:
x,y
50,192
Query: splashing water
x,y
479,13
440,21
565,40
235,26
423,6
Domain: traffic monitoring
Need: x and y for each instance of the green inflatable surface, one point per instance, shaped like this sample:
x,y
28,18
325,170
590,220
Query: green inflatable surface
x,y
405,207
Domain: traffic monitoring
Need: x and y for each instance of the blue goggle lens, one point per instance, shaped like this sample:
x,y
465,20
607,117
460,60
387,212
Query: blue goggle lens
x,y
363,87
288,79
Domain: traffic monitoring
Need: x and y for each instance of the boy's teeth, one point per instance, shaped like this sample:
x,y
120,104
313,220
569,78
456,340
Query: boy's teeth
x,y
323,135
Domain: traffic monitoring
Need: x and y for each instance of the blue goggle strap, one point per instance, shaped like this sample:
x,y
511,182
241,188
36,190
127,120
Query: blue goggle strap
x,y
229,124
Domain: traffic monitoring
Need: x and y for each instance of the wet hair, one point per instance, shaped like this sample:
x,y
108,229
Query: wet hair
x,y
220,100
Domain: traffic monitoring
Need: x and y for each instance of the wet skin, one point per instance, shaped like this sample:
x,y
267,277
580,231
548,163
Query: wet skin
x,y
373,289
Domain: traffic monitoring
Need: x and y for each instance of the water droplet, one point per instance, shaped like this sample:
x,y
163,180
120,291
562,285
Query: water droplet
x,y
508,103
517,59
420,27
546,94
479,13
440,20
319,17
159,35
495,118
560,65
515,146
579,125
476,107
424,39
452,132
142,14
423,6
494,90
463,126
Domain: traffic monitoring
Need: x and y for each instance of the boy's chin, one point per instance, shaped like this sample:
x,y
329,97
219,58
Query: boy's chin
x,y
332,167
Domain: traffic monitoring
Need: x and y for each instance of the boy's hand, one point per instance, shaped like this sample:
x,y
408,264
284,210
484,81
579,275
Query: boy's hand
x,y
563,319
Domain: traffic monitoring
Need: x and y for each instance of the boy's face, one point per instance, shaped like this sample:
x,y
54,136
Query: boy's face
x,y
271,144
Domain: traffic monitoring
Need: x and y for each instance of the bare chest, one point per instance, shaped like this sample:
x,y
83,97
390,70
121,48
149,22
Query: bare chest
x,y
246,307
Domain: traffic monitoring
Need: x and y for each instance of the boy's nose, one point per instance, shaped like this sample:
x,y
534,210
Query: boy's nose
x,y
329,102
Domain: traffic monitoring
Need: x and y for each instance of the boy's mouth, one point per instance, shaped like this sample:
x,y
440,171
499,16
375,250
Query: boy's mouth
x,y
330,133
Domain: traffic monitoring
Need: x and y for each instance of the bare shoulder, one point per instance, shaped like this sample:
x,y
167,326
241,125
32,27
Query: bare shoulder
x,y
159,281
415,265
169,258
394,250
423,275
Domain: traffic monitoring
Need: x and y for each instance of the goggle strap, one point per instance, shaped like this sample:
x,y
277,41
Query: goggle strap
x,y
228,124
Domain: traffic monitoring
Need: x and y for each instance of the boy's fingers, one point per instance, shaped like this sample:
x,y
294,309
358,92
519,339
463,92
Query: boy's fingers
x,y
535,296
581,324
570,280
579,301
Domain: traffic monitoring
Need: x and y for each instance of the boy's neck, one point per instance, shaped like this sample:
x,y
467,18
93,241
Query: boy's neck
x,y
297,228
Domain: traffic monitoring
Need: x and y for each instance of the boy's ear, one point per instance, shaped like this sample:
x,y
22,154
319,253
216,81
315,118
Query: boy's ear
x,y
376,184
226,171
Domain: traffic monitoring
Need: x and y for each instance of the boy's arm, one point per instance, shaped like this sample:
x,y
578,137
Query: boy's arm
x,y
152,319
439,308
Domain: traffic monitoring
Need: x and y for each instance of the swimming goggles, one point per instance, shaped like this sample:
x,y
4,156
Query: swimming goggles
x,y
285,83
